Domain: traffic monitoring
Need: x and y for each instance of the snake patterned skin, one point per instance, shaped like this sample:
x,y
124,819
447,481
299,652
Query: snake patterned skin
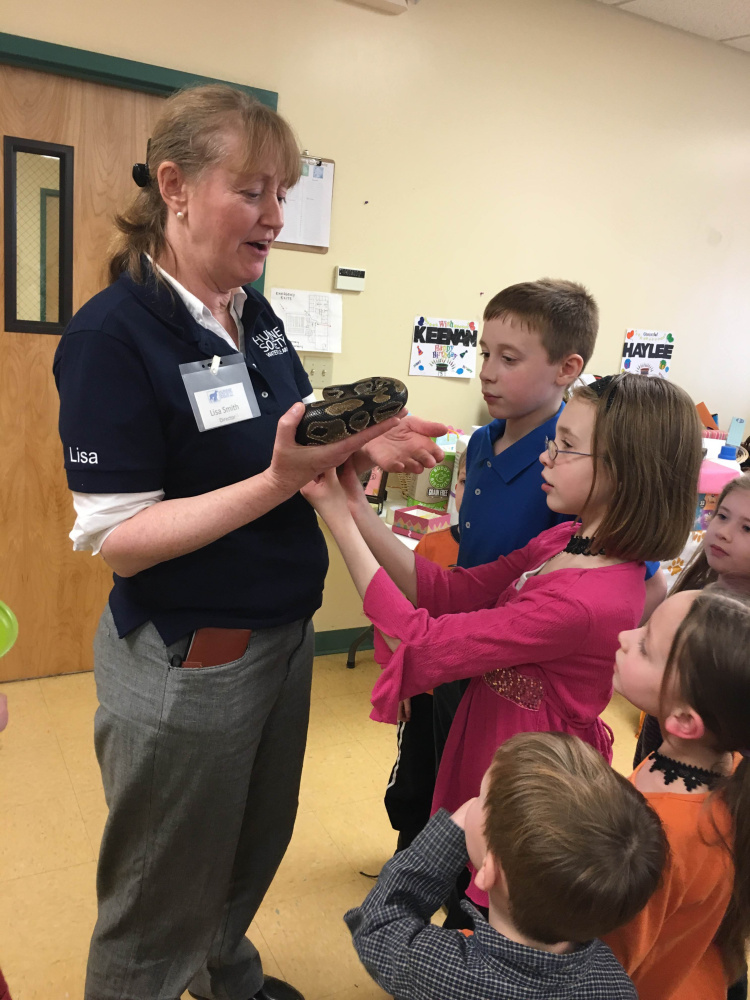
x,y
348,409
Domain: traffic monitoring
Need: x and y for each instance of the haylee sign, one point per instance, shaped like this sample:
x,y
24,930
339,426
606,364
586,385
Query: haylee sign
x,y
443,347
647,352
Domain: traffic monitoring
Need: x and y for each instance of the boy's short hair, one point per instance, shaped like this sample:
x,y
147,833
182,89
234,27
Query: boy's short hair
x,y
581,849
563,313
648,437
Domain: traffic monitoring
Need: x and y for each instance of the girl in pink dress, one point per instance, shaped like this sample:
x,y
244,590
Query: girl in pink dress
x,y
536,631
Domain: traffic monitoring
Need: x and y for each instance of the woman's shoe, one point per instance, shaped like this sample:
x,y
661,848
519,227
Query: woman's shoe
x,y
348,409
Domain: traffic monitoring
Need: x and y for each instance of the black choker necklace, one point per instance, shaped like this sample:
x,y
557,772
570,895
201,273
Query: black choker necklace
x,y
674,769
580,546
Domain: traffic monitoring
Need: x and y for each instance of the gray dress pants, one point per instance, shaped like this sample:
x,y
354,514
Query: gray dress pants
x,y
201,772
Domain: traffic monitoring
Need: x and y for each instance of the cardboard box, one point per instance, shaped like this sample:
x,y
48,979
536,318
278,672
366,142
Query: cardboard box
x,y
431,488
418,521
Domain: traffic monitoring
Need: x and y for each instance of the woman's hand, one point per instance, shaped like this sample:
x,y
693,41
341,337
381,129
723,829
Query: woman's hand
x,y
406,447
327,496
293,465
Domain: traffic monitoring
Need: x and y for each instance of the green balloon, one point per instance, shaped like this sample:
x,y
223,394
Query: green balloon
x,y
8,628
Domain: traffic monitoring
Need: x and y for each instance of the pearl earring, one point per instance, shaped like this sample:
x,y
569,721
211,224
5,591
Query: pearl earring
x,y
180,216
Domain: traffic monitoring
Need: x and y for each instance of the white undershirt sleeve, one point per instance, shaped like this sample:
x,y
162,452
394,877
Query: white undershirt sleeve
x,y
98,514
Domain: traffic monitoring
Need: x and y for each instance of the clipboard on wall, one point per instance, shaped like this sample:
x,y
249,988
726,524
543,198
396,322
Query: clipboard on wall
x,y
307,211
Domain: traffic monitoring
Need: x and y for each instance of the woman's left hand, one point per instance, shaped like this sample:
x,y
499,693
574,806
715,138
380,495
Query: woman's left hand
x,y
326,495
408,447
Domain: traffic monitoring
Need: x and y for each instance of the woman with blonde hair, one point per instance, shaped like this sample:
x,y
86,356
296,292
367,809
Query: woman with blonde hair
x,y
180,395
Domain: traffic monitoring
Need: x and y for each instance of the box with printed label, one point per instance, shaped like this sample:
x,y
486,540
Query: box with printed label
x,y
416,522
431,488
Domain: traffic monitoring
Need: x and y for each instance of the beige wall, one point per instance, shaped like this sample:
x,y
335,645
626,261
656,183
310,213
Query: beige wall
x,y
493,141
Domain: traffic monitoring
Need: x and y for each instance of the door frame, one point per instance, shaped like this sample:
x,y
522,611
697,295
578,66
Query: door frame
x,y
63,60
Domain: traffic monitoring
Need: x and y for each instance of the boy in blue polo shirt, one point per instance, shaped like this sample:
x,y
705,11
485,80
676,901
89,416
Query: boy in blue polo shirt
x,y
536,340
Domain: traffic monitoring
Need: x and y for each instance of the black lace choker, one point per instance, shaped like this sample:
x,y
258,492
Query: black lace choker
x,y
580,546
674,769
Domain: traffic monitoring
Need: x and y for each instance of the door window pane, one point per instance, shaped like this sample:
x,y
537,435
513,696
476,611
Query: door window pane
x,y
38,235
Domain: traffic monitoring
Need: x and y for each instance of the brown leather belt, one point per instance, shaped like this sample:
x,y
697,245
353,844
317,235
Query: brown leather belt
x,y
211,647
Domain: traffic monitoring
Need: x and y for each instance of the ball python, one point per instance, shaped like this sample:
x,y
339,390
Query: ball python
x,y
348,409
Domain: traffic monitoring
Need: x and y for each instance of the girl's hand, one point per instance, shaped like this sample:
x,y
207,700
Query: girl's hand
x,y
404,711
326,495
352,487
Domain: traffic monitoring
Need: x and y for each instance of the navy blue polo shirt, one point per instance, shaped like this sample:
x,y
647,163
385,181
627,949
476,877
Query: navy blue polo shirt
x,y
504,506
127,426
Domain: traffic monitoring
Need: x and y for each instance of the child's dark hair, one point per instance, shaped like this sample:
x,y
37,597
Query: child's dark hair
x,y
698,574
709,661
648,439
563,313
581,849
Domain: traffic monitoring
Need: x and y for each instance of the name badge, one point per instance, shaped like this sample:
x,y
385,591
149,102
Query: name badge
x,y
220,391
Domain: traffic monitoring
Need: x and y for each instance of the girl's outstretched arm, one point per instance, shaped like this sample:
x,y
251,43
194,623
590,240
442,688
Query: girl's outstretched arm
x,y
395,558
328,498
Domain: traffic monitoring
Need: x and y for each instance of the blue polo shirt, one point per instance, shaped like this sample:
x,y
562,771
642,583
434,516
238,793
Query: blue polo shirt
x,y
127,426
504,506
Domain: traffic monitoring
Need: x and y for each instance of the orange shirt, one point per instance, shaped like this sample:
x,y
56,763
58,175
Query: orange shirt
x,y
668,950
440,547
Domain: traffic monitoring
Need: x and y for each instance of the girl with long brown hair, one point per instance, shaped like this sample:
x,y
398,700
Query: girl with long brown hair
x,y
689,667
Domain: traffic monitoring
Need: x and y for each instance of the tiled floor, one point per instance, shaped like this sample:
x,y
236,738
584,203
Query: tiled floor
x,y
53,813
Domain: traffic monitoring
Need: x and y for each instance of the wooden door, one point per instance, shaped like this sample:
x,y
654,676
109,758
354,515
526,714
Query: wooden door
x,y
57,594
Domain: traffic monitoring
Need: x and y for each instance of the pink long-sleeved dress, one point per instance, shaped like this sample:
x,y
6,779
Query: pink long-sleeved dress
x,y
540,658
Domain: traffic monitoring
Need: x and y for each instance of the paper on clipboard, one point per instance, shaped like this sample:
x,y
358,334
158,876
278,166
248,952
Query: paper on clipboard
x,y
307,210
313,320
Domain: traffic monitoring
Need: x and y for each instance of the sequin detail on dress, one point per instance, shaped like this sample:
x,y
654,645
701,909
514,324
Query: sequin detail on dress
x,y
528,692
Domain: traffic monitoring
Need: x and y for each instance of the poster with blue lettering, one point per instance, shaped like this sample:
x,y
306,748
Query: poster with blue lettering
x,y
445,348
647,352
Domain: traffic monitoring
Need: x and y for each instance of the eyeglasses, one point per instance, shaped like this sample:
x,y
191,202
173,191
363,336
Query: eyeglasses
x,y
553,451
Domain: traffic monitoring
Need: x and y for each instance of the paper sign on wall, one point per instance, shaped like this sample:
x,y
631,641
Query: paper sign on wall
x,y
647,352
312,320
443,347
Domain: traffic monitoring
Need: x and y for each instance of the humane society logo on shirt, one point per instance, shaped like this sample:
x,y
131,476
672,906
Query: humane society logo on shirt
x,y
271,342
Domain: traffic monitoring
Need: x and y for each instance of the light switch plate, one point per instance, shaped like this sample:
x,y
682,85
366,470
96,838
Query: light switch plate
x,y
319,368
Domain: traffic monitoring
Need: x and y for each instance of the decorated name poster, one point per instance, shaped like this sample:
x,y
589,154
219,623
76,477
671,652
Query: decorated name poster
x,y
443,347
647,352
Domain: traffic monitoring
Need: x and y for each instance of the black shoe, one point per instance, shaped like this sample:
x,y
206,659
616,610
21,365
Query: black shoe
x,y
348,409
272,989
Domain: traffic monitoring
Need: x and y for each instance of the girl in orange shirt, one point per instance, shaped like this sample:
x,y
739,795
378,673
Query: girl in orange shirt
x,y
689,667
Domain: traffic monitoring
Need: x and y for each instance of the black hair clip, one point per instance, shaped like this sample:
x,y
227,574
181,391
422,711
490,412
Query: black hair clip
x,y
602,385
141,174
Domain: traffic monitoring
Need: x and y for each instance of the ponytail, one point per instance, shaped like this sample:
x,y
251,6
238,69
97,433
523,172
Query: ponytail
x,y
710,663
734,931
140,230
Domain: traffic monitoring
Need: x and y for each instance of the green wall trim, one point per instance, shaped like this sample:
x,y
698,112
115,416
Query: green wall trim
x,y
339,640
31,53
